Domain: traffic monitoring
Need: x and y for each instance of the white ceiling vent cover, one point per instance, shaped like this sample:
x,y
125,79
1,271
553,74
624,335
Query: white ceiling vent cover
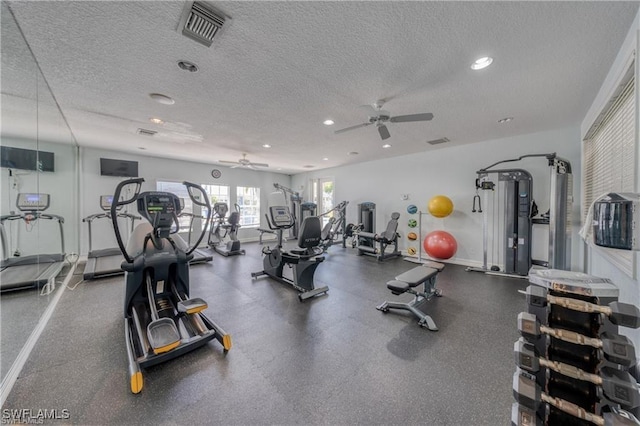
x,y
201,23
438,141
146,132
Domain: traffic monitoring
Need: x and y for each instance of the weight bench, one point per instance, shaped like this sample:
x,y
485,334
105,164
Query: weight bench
x,y
406,282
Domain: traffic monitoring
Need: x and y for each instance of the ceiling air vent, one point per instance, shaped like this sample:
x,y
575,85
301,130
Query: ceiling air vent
x,y
438,141
146,132
201,23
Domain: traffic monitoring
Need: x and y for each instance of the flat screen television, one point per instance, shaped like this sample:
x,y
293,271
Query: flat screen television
x,y
122,168
26,159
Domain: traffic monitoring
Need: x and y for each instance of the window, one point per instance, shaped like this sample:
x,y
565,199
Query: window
x,y
217,194
609,158
248,199
322,193
181,191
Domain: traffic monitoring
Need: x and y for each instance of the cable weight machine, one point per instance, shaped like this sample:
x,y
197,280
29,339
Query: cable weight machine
x,y
299,209
519,215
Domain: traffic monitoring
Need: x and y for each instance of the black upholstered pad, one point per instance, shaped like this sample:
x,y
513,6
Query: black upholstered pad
x,y
417,275
397,287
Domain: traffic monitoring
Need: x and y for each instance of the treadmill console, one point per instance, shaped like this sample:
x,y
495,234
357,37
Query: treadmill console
x,y
32,202
280,216
106,201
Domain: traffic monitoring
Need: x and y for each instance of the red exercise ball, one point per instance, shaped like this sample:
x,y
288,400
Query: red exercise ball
x,y
440,245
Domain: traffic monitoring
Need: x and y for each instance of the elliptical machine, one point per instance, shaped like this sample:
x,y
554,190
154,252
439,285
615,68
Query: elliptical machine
x,y
230,227
161,321
303,262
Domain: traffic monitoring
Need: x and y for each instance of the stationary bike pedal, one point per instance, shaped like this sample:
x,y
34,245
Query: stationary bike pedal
x,y
192,306
438,292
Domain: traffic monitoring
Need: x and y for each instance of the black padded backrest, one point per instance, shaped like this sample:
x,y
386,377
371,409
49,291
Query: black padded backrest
x,y
221,209
234,218
310,231
392,227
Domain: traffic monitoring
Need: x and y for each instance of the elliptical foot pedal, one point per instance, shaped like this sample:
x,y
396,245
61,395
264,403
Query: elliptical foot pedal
x,y
192,306
163,335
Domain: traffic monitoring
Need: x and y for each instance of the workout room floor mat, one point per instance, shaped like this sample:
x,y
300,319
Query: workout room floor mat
x,y
333,359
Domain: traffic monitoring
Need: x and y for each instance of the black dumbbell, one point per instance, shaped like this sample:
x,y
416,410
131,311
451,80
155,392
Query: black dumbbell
x,y
622,314
617,386
529,394
615,348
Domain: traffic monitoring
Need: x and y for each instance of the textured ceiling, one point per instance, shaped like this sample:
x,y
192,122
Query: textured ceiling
x,y
278,69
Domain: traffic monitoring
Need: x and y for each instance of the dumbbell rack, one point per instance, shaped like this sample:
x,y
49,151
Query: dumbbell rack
x,y
561,398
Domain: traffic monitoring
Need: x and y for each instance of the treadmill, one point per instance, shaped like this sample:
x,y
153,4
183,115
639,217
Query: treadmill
x,y
199,255
33,271
104,262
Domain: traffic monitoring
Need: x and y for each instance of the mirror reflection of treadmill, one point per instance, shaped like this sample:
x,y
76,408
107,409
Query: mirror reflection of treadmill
x,y
199,255
104,262
33,271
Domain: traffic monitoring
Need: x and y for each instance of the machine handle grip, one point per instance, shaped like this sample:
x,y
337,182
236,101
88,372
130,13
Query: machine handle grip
x,y
114,211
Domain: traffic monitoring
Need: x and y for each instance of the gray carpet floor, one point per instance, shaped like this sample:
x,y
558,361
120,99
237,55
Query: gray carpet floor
x,y
333,359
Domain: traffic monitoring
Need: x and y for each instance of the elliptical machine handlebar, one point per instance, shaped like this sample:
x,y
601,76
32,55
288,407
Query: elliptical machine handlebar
x,y
206,203
114,210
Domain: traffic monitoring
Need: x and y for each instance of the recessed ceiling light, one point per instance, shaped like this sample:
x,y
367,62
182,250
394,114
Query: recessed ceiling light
x,y
505,120
386,145
328,122
353,153
325,159
279,168
156,120
142,148
266,145
308,166
163,99
188,66
481,63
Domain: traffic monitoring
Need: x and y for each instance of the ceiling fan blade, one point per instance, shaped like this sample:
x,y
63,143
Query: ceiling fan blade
x,y
228,162
384,132
411,117
351,128
259,164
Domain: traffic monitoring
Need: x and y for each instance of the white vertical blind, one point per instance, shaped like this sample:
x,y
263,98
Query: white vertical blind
x,y
609,157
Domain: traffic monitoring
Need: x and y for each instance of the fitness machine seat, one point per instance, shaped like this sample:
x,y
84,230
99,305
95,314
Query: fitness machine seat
x,y
309,238
303,262
367,240
405,282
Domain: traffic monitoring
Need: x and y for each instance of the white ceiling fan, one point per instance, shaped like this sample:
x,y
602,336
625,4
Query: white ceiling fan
x,y
243,162
379,117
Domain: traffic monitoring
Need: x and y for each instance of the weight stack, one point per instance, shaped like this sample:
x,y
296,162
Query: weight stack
x,y
564,375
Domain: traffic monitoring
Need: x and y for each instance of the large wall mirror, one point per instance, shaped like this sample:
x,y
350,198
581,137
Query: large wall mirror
x,y
39,166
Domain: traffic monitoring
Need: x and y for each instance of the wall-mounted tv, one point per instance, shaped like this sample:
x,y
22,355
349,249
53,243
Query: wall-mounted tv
x,y
123,168
26,159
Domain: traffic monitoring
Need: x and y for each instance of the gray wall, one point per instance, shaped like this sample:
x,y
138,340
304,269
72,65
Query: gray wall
x,y
451,171
160,169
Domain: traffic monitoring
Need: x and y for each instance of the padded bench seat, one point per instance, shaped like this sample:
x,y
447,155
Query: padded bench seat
x,y
405,283
417,275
